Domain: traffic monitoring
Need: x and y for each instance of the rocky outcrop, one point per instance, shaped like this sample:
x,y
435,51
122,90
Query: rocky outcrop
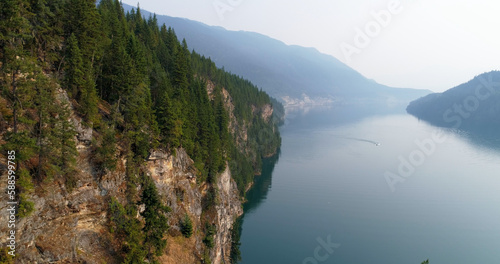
x,y
66,227
228,208
238,128
72,226
267,112
175,179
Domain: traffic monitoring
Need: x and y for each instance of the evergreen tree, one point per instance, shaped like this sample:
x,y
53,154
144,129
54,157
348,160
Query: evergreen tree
x,y
210,231
83,20
89,99
65,132
74,74
45,137
156,222
139,88
79,81
47,27
187,226
235,255
128,229
104,150
17,62
180,78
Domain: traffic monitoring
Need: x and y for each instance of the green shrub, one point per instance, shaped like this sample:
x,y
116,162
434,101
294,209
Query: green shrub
x,y
209,236
26,207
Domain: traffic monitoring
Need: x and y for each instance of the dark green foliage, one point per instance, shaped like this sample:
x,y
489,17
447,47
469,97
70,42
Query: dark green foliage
x,y
79,82
235,255
55,134
242,169
64,132
26,207
156,222
24,186
209,199
23,143
5,257
83,20
47,28
104,150
450,109
74,78
139,88
206,257
131,172
263,138
209,235
425,262
17,61
186,226
24,182
128,230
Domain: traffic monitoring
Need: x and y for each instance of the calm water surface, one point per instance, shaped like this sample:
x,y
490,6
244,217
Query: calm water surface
x,y
329,183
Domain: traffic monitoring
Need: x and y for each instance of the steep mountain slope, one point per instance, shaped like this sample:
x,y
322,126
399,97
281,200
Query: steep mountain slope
x,y
472,105
280,69
119,144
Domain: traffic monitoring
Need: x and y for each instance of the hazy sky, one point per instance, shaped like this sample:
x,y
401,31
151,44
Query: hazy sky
x,y
409,43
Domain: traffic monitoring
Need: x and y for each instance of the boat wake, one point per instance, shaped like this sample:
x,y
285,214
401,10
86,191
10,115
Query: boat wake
x,y
362,140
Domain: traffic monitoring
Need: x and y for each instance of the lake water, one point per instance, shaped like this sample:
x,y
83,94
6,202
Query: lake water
x,y
329,187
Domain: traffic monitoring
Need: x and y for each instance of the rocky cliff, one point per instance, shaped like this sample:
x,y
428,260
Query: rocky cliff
x,y
121,154
72,226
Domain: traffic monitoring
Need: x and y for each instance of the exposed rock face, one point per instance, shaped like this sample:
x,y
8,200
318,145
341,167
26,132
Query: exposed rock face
x,y
65,227
267,112
84,134
72,227
238,129
175,179
228,208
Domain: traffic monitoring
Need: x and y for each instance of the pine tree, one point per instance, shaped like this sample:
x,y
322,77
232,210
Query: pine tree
x,y
74,73
156,222
128,229
89,100
180,78
65,132
187,226
83,21
47,28
16,62
104,150
45,128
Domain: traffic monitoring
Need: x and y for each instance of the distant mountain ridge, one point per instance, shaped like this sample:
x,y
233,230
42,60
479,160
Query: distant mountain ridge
x,y
472,105
285,72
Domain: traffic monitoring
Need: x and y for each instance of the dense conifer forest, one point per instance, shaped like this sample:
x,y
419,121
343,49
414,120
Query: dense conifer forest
x,y
139,88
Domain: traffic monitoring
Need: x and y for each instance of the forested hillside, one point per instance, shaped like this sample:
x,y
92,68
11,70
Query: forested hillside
x,y
474,105
285,72
138,89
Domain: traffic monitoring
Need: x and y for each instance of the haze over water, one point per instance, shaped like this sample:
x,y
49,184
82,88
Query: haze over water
x,y
329,182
